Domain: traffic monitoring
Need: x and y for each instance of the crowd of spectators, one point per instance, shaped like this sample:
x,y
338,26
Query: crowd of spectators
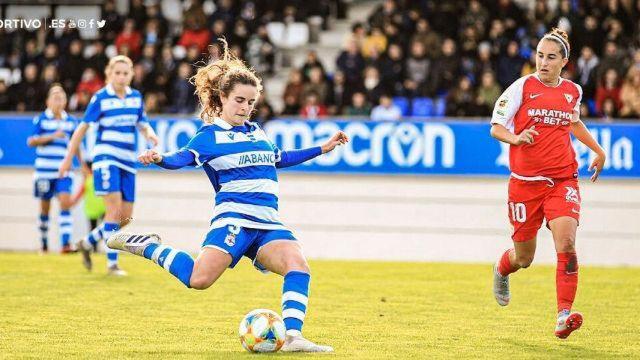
x,y
411,57
164,52
454,58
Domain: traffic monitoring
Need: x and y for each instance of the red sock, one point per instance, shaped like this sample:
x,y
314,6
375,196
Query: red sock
x,y
504,266
566,280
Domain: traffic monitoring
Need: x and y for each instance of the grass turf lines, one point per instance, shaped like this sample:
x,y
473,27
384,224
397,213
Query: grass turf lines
x,y
51,308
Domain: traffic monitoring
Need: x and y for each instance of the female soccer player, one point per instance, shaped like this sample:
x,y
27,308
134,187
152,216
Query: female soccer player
x,y
118,111
241,163
51,132
536,116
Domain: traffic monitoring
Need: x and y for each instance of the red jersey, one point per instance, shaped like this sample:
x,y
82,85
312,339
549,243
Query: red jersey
x,y
529,102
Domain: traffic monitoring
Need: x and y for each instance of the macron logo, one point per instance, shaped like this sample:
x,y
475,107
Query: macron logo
x,y
533,96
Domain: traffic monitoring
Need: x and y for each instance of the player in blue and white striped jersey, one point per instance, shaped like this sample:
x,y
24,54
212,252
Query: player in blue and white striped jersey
x,y
119,112
241,163
52,130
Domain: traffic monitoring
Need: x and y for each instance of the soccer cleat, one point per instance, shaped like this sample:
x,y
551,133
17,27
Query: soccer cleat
x,y
133,243
66,249
567,323
300,344
85,252
501,287
114,270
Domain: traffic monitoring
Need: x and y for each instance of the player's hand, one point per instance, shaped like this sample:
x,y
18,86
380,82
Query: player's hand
x,y
150,157
153,139
339,138
65,166
58,134
526,136
597,164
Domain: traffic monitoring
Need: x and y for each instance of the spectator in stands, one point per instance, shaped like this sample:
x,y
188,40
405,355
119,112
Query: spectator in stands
x,y
113,21
263,112
351,63
339,94
218,31
313,108
139,81
291,105
261,51
630,94
609,110
483,62
89,84
49,76
5,99
487,94
138,13
224,12
195,35
417,67
310,63
151,33
154,15
29,94
166,64
392,69
446,69
586,74
357,35
182,95
372,85
386,110
374,44
359,105
497,37
429,38
510,65
613,59
49,56
72,66
98,61
151,103
476,16
317,84
461,101
130,39
148,59
294,87
386,12
609,88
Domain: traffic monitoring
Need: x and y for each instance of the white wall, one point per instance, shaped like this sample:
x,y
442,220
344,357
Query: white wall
x,y
361,217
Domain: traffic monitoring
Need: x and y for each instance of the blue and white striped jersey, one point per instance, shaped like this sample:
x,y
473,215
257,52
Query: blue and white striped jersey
x,y
240,162
50,156
116,141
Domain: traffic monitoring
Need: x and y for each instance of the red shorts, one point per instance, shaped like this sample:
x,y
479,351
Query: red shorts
x,y
530,202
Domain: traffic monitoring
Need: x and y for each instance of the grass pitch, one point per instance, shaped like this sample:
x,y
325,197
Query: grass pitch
x,y
51,308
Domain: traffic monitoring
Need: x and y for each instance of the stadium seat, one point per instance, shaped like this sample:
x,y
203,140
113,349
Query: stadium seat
x,y
441,106
422,106
403,104
288,36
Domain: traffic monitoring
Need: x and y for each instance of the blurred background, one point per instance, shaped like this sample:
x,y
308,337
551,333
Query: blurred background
x,y
412,82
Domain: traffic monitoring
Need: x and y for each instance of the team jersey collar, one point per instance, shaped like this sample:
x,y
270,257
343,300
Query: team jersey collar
x,y
223,124
111,91
49,114
535,75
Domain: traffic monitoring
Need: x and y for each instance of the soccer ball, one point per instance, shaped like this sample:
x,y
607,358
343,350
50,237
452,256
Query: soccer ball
x,y
262,330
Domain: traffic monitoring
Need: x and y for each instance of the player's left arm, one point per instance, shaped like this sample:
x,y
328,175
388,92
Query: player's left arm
x,y
580,131
145,129
295,157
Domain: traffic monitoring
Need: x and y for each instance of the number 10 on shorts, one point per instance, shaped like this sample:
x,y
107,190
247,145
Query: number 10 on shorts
x,y
518,212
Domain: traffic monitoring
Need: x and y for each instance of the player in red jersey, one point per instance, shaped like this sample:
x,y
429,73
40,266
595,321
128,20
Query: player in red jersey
x,y
536,116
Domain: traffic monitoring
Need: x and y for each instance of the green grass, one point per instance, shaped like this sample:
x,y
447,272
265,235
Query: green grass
x,y
51,308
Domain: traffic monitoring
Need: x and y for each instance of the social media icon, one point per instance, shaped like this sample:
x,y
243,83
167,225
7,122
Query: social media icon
x,y
82,24
101,23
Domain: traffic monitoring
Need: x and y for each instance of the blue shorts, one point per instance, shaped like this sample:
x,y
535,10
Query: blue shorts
x,y
45,189
238,241
110,179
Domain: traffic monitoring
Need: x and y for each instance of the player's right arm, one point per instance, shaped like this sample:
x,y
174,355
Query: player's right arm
x,y
171,161
72,149
505,109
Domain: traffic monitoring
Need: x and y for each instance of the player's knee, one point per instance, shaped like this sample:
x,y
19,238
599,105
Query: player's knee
x,y
524,261
567,244
297,265
201,282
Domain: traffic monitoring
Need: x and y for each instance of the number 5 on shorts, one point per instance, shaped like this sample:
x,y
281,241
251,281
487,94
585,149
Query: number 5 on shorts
x,y
518,212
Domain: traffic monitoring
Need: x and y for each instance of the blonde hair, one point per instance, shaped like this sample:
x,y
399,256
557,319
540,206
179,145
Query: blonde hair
x,y
218,79
113,61
560,37
54,88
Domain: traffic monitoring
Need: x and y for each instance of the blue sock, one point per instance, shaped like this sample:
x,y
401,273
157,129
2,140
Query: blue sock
x,y
43,226
66,227
295,296
108,229
178,263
